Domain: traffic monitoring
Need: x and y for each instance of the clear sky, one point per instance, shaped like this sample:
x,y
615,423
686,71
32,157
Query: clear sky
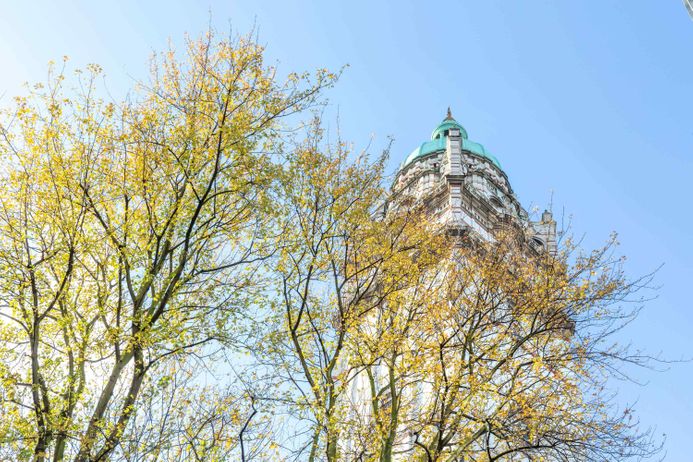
x,y
591,101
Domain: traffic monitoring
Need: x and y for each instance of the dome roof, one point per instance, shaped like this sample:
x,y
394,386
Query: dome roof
x,y
448,123
438,143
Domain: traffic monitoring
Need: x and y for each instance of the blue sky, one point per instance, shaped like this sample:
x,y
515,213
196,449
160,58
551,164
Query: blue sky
x,y
590,101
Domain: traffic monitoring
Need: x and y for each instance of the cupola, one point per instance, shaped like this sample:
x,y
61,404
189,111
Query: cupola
x,y
438,143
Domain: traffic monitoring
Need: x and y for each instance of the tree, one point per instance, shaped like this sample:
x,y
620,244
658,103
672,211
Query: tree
x,y
503,354
338,260
129,234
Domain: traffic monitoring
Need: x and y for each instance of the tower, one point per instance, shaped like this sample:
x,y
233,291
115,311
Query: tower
x,y
464,187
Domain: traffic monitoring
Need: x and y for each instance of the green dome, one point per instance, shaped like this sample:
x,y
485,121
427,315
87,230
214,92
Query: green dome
x,y
426,148
438,143
447,124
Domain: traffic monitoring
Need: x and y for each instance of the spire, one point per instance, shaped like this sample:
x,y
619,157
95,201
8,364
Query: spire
x,y
449,116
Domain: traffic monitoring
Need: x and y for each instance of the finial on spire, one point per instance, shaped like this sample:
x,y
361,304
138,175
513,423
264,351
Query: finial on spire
x,y
449,117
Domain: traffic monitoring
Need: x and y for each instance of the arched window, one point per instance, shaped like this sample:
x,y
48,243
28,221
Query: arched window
x,y
537,243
